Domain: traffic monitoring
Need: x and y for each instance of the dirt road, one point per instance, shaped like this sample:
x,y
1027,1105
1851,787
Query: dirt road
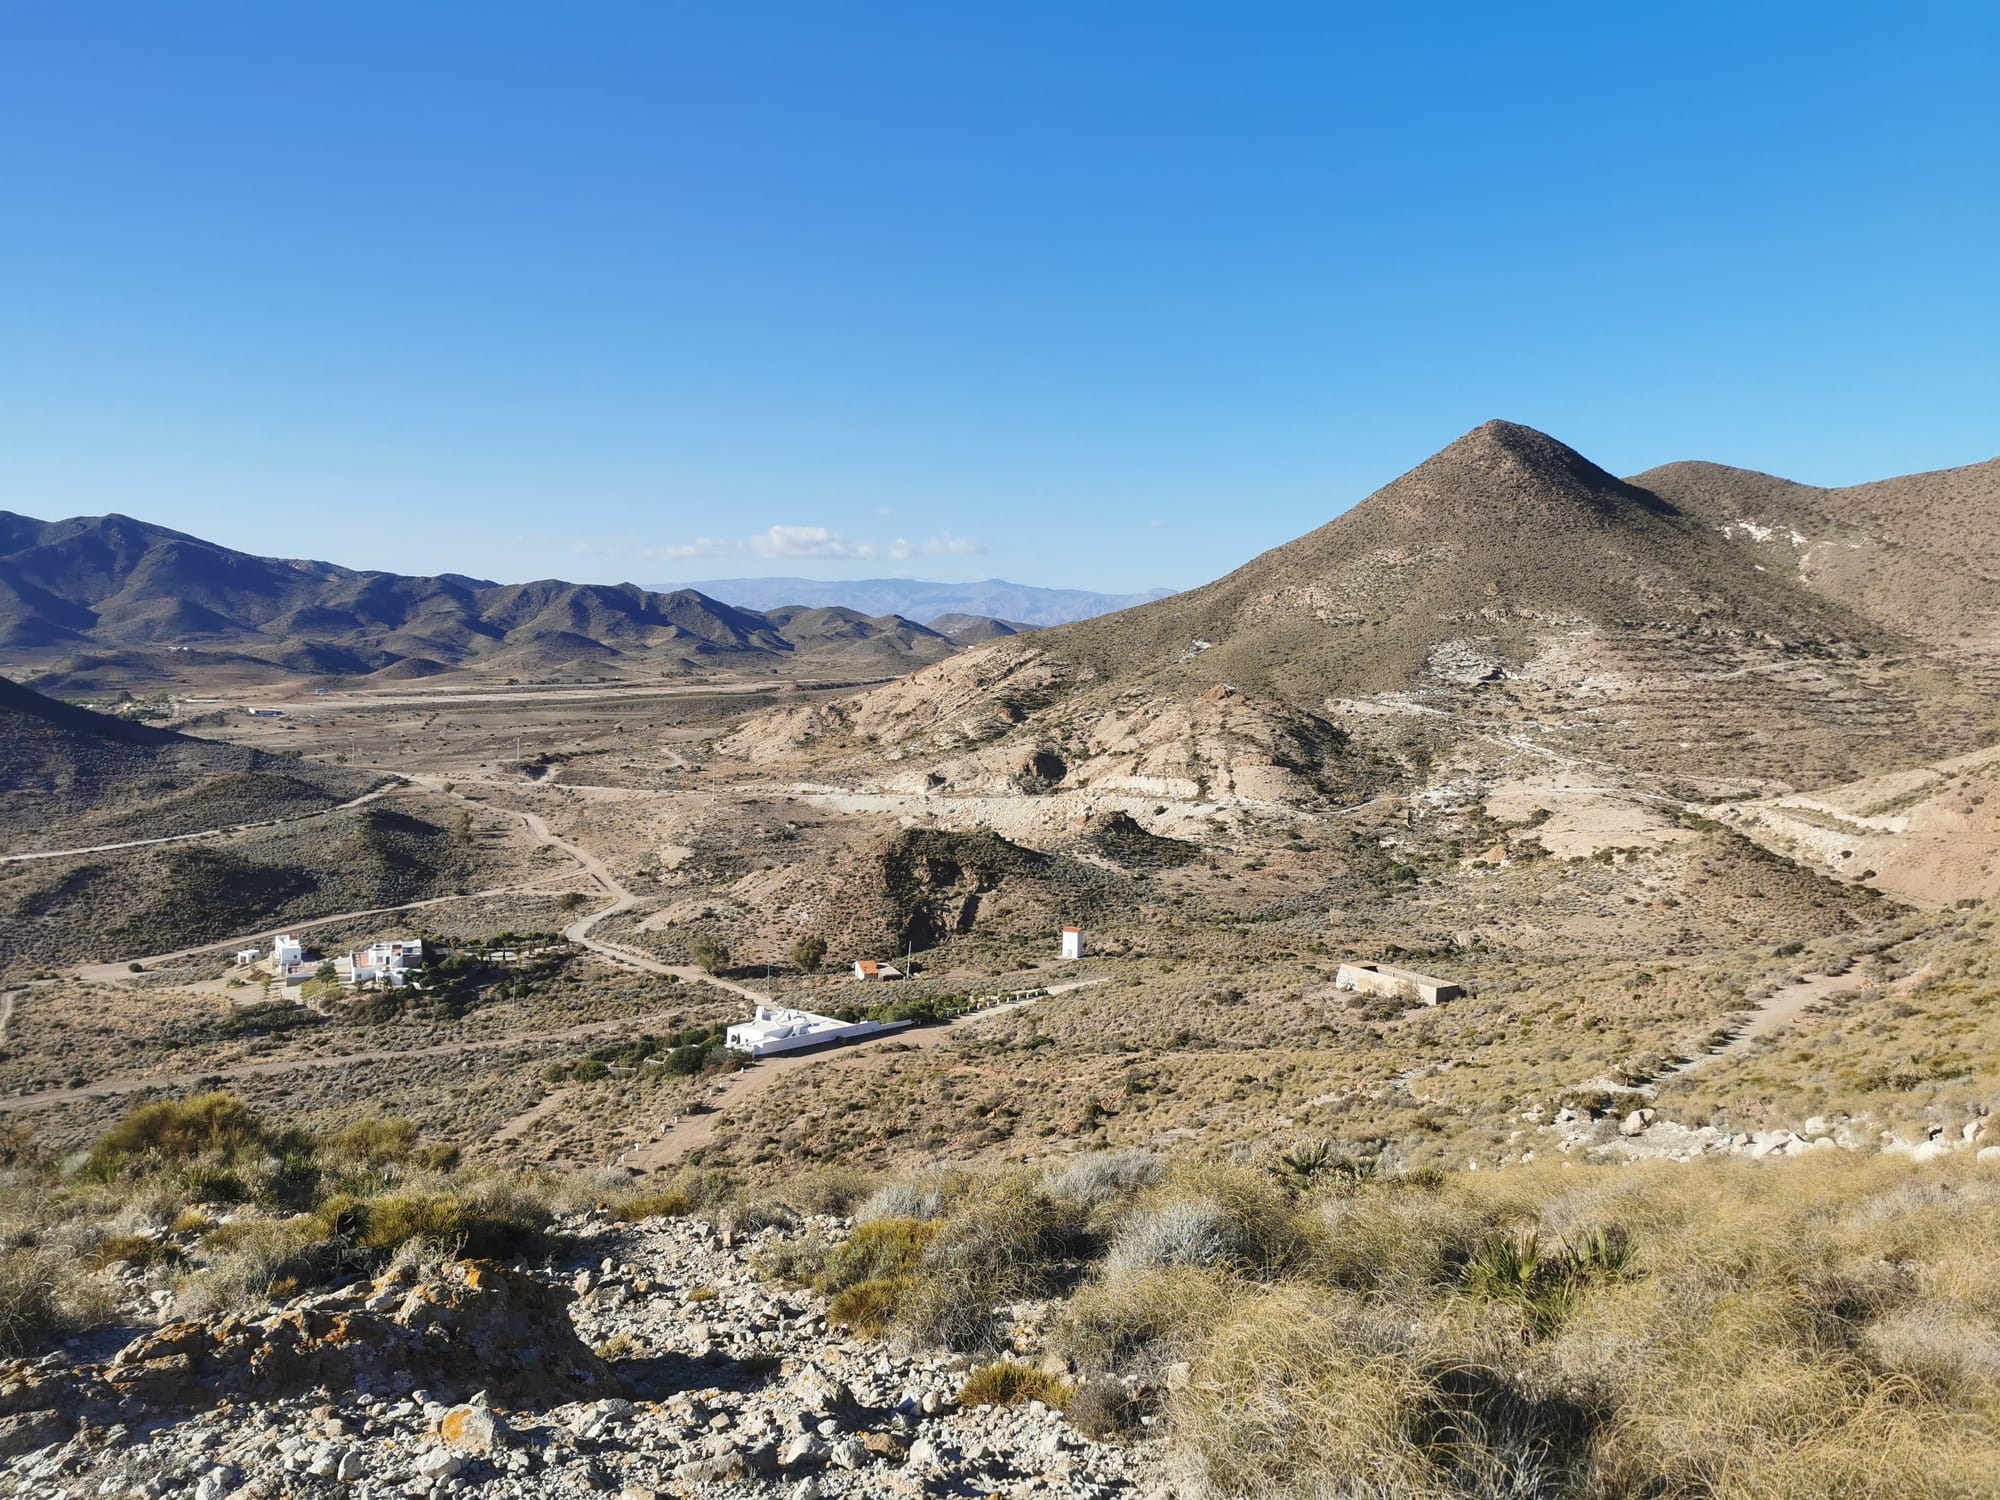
x,y
272,1067
116,969
206,833
1772,1015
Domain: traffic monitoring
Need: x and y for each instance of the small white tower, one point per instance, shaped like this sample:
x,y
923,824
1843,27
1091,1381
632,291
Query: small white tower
x,y
1072,942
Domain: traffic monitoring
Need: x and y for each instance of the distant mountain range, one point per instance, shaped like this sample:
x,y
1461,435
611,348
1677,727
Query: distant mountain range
x,y
109,598
914,599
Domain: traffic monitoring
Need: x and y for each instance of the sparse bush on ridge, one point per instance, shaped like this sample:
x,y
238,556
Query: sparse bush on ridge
x,y
928,1195
1100,1177
1188,1233
826,1190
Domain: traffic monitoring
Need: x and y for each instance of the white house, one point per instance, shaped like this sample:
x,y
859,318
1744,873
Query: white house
x,y
247,956
286,952
1072,942
386,962
867,968
778,1029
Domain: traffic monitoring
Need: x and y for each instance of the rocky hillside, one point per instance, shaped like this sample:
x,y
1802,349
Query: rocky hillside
x,y
70,778
1506,580
478,1378
1919,555
92,586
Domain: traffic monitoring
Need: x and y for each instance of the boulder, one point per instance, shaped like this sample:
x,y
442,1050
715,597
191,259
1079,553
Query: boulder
x,y
472,1326
477,1430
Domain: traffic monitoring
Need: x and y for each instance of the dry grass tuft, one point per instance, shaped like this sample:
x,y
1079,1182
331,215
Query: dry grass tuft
x,y
1010,1383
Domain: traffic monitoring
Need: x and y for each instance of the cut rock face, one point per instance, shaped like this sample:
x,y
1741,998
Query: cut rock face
x,y
474,1326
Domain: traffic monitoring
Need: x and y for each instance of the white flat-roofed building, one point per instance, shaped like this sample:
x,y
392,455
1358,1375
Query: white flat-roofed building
x,y
386,962
868,968
286,951
247,956
777,1028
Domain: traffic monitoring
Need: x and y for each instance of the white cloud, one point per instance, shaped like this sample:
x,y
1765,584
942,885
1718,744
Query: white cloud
x,y
808,541
900,548
944,544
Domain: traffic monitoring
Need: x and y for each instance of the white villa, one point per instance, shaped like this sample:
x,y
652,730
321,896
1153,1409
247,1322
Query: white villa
x,y
384,963
286,951
1072,942
778,1029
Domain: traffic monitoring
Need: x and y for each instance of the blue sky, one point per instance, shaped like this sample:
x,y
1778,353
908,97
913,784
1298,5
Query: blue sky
x,y
1095,295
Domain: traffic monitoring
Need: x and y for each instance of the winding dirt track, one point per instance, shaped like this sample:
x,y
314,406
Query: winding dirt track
x,y
206,833
1772,1015
272,1067
578,932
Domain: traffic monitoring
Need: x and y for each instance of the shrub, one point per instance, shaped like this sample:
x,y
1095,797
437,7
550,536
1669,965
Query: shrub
x,y
1010,1383
488,1226
28,1314
1140,1322
1104,1176
761,1213
1101,1409
827,1190
928,1195
135,1250
1215,1216
808,952
709,953
1288,1400
251,1261
377,1142
867,1308
879,1249
1172,1234
177,1130
1012,1242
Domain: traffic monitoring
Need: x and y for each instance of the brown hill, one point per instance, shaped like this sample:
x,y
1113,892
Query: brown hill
x,y
971,630
1505,581
1919,554
71,778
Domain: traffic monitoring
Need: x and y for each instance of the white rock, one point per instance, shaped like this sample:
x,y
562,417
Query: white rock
x,y
438,1463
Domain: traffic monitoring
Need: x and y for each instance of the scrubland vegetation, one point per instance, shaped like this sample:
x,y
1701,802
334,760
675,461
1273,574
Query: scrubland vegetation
x,y
238,1210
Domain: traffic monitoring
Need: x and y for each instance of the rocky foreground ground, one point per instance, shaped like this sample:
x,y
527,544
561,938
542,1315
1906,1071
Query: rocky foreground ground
x,y
475,1379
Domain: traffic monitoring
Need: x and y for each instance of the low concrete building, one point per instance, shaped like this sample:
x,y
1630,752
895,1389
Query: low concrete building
x,y
1072,942
1397,984
247,956
867,968
777,1028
